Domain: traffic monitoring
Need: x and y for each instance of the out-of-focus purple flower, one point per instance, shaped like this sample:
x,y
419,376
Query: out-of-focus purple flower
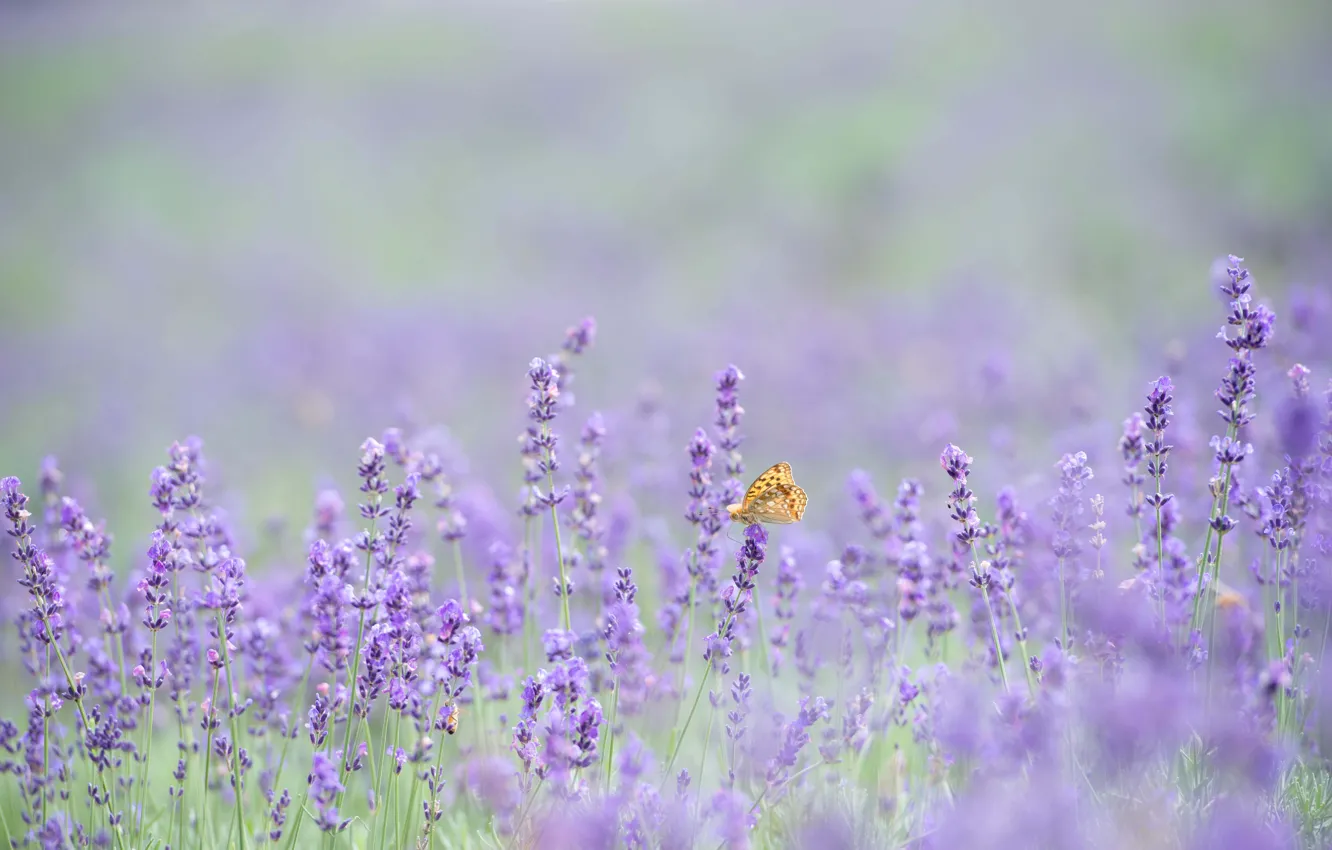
x,y
1131,450
324,790
585,518
871,508
594,825
494,782
577,340
625,651
729,413
507,608
735,818
1281,515
703,512
932,588
452,524
700,560
90,542
786,587
50,479
328,512
1236,828
1297,419
735,722
1067,505
278,815
571,728
906,510
795,735
999,815
558,644
328,601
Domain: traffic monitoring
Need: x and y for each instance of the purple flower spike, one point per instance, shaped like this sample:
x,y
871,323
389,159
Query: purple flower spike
x,y
736,598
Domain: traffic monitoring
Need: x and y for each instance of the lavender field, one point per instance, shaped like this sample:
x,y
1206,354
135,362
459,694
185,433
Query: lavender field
x,y
394,411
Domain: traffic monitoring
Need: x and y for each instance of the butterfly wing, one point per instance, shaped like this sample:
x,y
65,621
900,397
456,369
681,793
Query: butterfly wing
x,y
780,504
777,474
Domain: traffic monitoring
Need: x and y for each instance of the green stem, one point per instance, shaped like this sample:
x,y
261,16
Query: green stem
x,y
1216,574
1280,634
181,728
78,704
4,822
763,640
383,803
994,633
780,785
353,671
117,643
1160,540
785,782
529,566
378,768
1063,610
299,816
702,684
1022,641
148,741
522,814
1223,500
1269,607
208,762
462,578
559,552
478,692
1017,621
434,799
235,733
689,649
46,735
707,740
679,741
610,732
297,699
1322,646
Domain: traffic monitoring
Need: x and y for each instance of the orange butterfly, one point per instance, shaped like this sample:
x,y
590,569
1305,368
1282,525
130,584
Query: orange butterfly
x,y
773,497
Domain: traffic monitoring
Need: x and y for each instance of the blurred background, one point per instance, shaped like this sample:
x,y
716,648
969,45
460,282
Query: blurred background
x,y
906,222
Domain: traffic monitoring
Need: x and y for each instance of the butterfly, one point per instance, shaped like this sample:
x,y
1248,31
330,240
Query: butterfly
x,y
1230,599
773,497
1227,597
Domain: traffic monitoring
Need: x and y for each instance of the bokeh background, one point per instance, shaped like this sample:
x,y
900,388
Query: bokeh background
x,y
906,222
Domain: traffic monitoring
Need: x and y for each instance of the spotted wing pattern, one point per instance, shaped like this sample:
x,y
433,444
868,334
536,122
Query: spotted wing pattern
x,y
781,503
778,473
774,497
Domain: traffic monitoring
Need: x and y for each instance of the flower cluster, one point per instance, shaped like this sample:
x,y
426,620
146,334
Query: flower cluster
x,y
286,690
